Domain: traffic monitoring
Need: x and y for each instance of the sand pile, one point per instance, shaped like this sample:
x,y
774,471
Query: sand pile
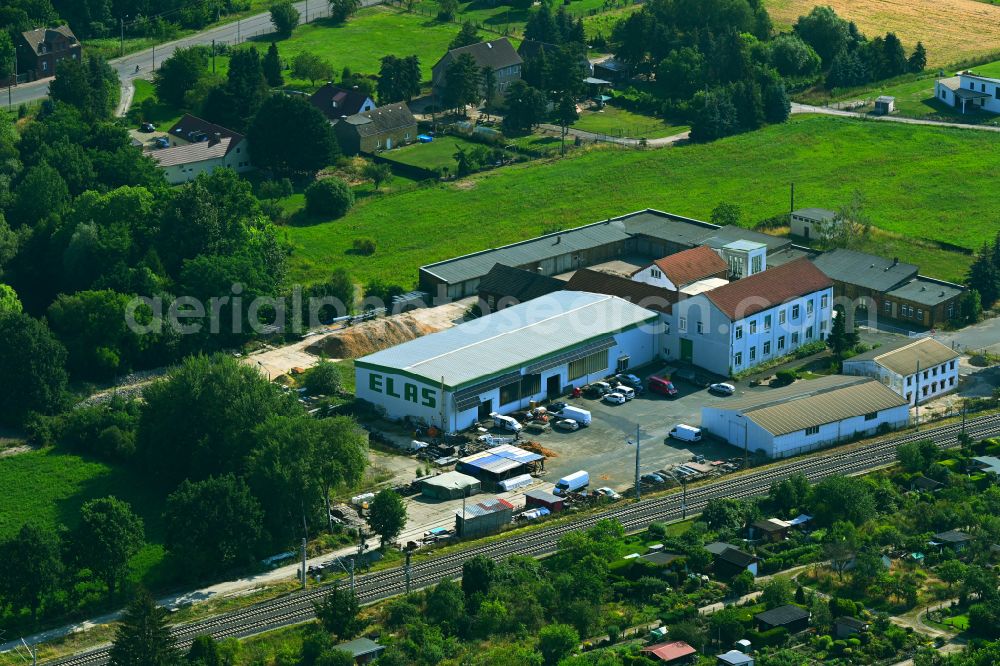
x,y
370,337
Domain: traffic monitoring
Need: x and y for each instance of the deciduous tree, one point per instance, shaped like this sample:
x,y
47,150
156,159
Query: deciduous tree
x,y
32,363
387,515
108,535
338,613
284,17
291,136
30,568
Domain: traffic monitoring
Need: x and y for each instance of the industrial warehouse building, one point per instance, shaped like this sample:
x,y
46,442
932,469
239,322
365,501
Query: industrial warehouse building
x,y
450,485
806,415
485,516
505,360
649,234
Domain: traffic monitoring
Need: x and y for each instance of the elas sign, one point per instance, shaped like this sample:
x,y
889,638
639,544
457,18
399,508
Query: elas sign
x,y
419,395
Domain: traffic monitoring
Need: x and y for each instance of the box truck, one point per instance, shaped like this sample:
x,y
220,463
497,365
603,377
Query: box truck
x,y
572,483
581,416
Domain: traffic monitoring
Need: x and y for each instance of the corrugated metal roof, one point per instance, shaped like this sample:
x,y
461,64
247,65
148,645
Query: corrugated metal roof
x,y
825,400
904,357
500,459
822,214
510,339
484,507
191,153
472,266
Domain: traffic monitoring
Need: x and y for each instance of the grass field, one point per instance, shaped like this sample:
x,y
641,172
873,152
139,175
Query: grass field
x,y
907,173
368,36
952,31
48,487
438,153
615,121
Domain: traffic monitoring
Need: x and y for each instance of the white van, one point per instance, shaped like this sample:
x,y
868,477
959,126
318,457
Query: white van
x,y
571,483
627,391
505,422
581,416
686,433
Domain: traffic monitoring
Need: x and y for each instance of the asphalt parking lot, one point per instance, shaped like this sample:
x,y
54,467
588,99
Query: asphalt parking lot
x,y
602,449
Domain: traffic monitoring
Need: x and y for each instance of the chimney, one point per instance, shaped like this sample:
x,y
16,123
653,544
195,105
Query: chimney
x,y
216,138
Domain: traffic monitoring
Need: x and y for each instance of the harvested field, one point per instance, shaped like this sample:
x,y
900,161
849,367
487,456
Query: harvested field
x,y
952,31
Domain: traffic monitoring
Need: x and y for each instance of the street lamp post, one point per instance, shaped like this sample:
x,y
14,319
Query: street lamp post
x,y
638,491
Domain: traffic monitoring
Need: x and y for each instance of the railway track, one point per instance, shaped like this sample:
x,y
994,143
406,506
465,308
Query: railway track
x,y
298,607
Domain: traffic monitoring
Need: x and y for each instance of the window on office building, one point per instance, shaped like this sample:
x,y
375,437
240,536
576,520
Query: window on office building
x,y
871,416
824,301
738,359
767,322
809,333
767,348
753,326
813,430
887,307
781,317
795,312
739,332
809,307
701,327
753,353
795,338
682,323
781,342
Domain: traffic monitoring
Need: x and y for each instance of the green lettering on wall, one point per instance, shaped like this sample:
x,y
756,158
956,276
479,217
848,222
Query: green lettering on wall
x,y
430,397
410,392
375,382
388,387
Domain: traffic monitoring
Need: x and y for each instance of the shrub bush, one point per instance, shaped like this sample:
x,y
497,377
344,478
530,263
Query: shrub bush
x,y
365,246
784,377
329,197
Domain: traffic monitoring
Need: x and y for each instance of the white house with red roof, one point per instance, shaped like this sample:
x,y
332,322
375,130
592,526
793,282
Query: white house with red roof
x,y
680,270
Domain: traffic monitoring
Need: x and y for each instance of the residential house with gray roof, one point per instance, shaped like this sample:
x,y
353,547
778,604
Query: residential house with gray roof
x,y
382,128
497,54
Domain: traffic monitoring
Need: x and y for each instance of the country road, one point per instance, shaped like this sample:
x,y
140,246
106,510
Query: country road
x,y
298,607
229,33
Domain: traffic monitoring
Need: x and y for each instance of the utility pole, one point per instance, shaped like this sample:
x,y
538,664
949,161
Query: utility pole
x,y
409,555
746,443
213,56
684,498
916,397
237,30
121,44
352,576
303,563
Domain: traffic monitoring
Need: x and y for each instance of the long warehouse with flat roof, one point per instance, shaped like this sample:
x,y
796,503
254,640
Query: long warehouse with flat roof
x,y
501,362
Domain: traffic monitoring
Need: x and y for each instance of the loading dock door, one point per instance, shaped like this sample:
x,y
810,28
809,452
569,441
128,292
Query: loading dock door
x,y
553,386
485,409
737,432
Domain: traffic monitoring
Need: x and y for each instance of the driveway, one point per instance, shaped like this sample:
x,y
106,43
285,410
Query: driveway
x,y
984,336
662,142
807,108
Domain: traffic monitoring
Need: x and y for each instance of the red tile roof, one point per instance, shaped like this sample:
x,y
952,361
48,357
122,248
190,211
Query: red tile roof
x,y
692,265
774,286
644,295
669,651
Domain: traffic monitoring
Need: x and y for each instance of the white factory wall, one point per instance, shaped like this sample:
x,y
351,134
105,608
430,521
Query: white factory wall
x,y
402,396
716,347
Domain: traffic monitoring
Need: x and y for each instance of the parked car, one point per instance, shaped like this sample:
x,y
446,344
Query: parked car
x,y
630,380
722,389
556,407
652,478
147,127
614,399
608,492
162,142
567,424
598,389
627,392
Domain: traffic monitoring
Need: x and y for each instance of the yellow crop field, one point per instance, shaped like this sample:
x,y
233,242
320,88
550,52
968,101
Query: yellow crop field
x,y
952,30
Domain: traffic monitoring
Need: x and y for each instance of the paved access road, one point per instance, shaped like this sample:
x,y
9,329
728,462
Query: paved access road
x,y
229,33
827,111
297,608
